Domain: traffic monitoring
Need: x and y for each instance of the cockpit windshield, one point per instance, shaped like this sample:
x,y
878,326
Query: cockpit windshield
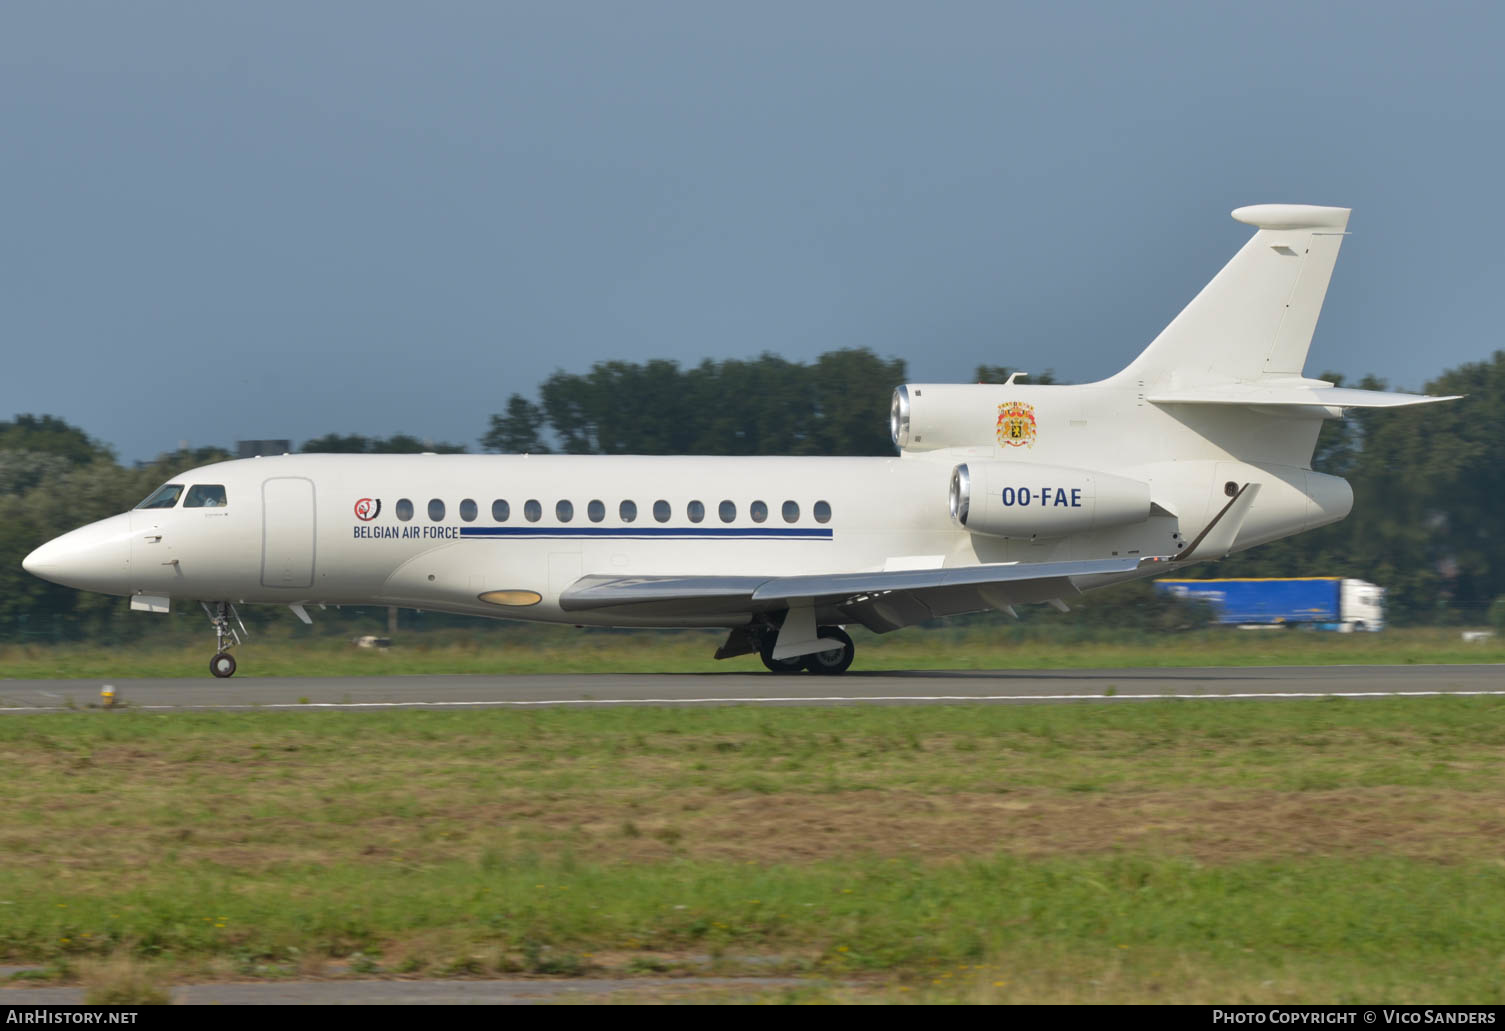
x,y
205,495
165,497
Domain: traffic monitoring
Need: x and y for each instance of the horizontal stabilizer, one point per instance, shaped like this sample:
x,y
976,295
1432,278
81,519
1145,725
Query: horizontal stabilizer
x,y
1303,394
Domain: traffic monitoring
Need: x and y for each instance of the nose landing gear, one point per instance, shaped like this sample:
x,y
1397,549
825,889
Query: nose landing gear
x,y
225,637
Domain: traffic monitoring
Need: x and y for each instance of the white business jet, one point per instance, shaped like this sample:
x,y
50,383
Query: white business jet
x,y
999,495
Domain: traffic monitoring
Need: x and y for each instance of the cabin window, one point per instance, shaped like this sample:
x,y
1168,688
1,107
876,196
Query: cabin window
x,y
627,511
791,512
727,511
661,511
758,511
165,497
696,511
532,511
564,511
404,509
468,510
436,509
596,511
205,495
822,512
500,510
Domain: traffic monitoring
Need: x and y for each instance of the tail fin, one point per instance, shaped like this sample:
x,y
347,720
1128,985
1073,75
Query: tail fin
x,y
1255,319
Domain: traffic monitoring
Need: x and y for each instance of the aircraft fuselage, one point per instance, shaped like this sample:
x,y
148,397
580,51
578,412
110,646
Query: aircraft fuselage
x,y
440,531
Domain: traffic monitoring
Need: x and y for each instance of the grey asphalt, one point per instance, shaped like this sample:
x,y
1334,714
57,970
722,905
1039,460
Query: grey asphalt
x,y
580,690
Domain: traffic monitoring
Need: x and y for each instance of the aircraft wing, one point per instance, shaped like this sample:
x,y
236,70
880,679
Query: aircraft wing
x,y
881,601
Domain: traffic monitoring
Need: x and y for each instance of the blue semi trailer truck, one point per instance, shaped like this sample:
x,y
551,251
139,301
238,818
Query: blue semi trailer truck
x,y
1322,602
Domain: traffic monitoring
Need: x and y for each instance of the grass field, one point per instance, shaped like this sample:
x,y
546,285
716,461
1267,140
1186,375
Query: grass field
x,y
548,649
1327,851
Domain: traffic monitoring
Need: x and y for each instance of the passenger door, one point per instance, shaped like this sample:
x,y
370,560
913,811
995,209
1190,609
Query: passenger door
x,y
287,532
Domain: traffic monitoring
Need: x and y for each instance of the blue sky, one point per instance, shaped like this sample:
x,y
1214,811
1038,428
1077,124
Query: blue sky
x,y
228,221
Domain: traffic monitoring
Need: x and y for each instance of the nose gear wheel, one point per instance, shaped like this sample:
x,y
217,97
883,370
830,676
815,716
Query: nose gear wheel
x,y
225,636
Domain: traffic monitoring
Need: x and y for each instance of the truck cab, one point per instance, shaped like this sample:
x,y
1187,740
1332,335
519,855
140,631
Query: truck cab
x,y
1362,606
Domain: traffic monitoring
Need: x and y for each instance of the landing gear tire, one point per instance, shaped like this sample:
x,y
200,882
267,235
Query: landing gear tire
x,y
836,660
225,637
793,665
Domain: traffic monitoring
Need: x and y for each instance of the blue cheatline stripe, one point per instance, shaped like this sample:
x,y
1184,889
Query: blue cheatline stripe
x,y
650,532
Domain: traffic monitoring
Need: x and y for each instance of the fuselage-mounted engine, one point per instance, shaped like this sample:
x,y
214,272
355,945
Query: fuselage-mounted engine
x,y
1023,500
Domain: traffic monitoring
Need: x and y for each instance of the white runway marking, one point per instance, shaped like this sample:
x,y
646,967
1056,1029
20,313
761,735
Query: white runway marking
x,y
797,698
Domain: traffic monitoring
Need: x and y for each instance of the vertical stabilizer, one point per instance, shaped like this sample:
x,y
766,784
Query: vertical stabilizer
x,y
1255,319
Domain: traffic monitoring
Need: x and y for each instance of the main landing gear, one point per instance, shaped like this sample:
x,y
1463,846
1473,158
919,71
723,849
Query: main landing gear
x,y
225,637
827,663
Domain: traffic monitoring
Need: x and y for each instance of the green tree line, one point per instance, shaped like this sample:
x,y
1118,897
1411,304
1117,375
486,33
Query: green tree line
x,y
836,405
1429,482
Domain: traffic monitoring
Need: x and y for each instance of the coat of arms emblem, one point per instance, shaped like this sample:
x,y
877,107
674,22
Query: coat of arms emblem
x,y
1016,424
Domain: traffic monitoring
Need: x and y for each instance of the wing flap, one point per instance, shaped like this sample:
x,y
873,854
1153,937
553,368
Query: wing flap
x,y
830,586
891,598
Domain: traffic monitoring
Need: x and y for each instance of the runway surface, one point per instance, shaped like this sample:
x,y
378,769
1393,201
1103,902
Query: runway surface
x,y
895,688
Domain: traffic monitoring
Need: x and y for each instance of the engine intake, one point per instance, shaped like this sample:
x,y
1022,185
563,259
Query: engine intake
x,y
1022,500
930,416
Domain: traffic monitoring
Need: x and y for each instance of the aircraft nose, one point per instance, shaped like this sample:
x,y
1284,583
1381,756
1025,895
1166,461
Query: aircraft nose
x,y
95,557
36,562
